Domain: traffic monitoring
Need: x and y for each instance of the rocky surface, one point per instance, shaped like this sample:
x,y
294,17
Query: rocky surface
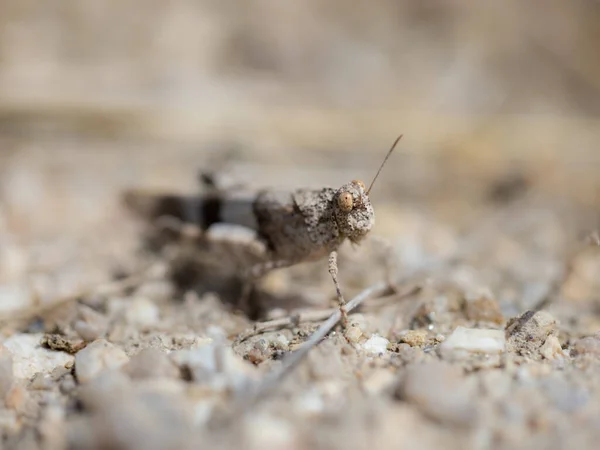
x,y
161,368
490,341
456,358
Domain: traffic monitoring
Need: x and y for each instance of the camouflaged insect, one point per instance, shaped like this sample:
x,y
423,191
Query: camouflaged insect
x,y
256,233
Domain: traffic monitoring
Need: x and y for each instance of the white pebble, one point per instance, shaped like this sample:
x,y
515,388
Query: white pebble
x,y
441,391
96,357
310,403
376,345
551,349
29,357
475,340
142,312
353,333
216,365
280,342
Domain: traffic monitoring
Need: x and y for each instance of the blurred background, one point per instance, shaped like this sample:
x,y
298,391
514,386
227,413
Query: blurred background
x,y
493,99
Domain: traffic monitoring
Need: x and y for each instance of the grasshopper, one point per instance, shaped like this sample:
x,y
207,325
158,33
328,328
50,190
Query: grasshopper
x,y
275,229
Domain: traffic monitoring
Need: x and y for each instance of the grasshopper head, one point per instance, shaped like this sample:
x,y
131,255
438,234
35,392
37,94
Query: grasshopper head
x,y
353,211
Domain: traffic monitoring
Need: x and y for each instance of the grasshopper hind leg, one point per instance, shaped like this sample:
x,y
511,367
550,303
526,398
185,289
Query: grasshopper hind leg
x,y
246,301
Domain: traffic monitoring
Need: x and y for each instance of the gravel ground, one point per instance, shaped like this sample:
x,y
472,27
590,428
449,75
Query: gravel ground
x,y
490,342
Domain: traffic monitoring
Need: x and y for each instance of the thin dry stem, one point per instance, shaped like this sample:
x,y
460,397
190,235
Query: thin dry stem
x,y
275,377
297,318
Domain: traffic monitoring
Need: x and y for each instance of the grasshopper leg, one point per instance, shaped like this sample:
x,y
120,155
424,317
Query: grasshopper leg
x,y
253,274
333,271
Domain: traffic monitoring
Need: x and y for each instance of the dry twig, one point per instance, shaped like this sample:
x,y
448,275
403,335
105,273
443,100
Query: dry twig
x,y
302,317
275,377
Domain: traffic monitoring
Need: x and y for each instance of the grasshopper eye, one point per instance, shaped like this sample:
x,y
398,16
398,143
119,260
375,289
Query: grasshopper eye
x,y
345,201
360,183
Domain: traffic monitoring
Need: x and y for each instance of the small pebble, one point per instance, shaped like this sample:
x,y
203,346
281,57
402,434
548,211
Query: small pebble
x,y
482,307
188,341
41,382
551,349
61,343
29,357
91,325
376,345
353,333
60,372
96,357
529,331
587,346
88,332
441,391
215,333
475,340
108,388
408,354
259,352
151,363
261,345
215,365
255,356
142,312
325,360
310,403
120,417
67,384
280,342
414,338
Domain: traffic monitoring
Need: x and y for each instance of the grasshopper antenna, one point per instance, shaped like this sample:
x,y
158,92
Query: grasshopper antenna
x,y
383,163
